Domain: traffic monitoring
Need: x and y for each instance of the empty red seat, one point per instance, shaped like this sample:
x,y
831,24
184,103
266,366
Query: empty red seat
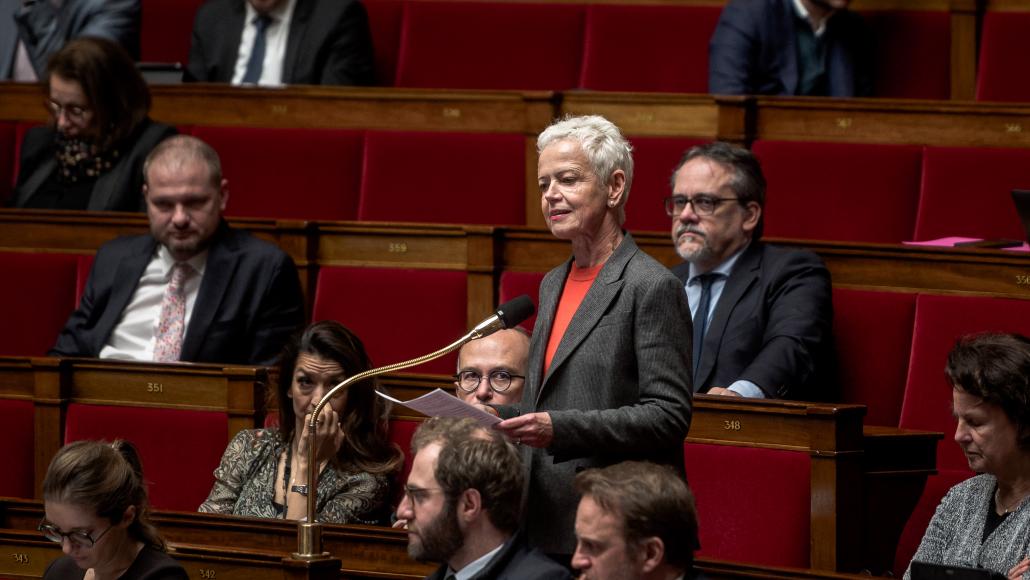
x,y
660,48
398,313
317,171
1003,73
514,284
767,521
654,159
965,192
17,447
490,45
166,28
179,448
913,56
848,192
8,160
873,334
384,23
39,303
464,178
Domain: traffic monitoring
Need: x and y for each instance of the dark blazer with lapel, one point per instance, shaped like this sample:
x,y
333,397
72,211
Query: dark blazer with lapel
x,y
753,51
248,304
45,29
329,43
120,189
773,326
515,561
618,387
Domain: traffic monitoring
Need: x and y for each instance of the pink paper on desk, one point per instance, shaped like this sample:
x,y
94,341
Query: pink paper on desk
x,y
1024,248
943,242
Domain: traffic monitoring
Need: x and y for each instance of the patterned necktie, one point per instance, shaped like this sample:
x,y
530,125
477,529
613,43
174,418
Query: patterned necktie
x,y
172,326
257,53
701,318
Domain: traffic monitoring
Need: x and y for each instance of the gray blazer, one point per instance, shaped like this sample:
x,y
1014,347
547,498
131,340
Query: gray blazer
x,y
45,29
618,387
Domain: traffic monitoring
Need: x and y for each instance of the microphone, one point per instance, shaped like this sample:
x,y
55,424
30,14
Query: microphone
x,y
508,315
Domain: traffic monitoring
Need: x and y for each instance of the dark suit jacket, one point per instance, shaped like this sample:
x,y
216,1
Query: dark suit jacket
x,y
618,387
45,29
753,51
515,561
329,43
120,189
248,304
773,326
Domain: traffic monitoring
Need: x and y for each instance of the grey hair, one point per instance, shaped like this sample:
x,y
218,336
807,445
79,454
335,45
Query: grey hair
x,y
602,142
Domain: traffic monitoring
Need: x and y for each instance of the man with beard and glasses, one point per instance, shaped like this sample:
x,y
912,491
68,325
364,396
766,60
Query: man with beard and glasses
x,y
193,289
462,504
791,47
762,314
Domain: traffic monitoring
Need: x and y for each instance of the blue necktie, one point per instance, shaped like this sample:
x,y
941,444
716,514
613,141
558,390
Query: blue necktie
x,y
701,318
257,53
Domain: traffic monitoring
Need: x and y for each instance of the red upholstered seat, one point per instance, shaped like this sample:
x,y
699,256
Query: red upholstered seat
x,y
913,56
660,48
180,449
965,192
39,304
939,321
768,520
17,448
1004,73
465,178
654,159
490,45
318,171
936,486
384,22
873,334
85,264
8,160
166,28
840,191
514,284
398,313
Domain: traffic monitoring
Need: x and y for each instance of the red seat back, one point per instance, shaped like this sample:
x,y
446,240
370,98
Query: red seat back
x,y
840,191
939,322
316,173
490,45
39,303
873,334
913,56
936,486
464,178
398,313
965,192
1004,73
660,48
654,159
180,449
166,28
768,521
384,23
17,447
514,284
8,160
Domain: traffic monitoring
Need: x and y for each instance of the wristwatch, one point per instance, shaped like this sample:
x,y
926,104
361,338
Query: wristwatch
x,y
301,489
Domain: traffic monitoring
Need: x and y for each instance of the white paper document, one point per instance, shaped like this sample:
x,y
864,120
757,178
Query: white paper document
x,y
440,403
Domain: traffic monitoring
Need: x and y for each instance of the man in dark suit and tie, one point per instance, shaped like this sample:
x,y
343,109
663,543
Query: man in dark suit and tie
x,y
790,47
193,289
762,314
273,42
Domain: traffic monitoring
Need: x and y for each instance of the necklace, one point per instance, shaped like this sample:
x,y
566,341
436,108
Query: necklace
x,y
1001,507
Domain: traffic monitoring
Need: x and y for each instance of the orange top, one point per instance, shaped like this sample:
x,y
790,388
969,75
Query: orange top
x,y
576,286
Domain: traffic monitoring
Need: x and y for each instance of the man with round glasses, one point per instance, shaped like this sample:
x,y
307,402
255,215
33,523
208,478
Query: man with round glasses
x,y
492,370
762,314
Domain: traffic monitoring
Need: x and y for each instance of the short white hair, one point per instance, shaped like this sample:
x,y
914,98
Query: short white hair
x,y
601,141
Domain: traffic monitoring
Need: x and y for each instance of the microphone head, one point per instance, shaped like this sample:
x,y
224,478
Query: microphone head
x,y
515,311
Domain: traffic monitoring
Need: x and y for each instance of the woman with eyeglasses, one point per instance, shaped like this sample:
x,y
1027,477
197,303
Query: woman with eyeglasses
x,y
264,472
96,507
90,156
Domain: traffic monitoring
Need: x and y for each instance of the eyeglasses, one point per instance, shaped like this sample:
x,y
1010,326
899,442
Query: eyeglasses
x,y
74,112
80,539
498,380
419,494
702,204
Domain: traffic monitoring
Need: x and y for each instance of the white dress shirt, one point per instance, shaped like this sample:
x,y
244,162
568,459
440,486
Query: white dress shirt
x,y
276,36
475,566
134,336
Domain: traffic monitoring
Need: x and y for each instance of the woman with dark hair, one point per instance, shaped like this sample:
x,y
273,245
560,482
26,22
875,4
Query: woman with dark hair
x,y
984,522
90,156
96,507
264,472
